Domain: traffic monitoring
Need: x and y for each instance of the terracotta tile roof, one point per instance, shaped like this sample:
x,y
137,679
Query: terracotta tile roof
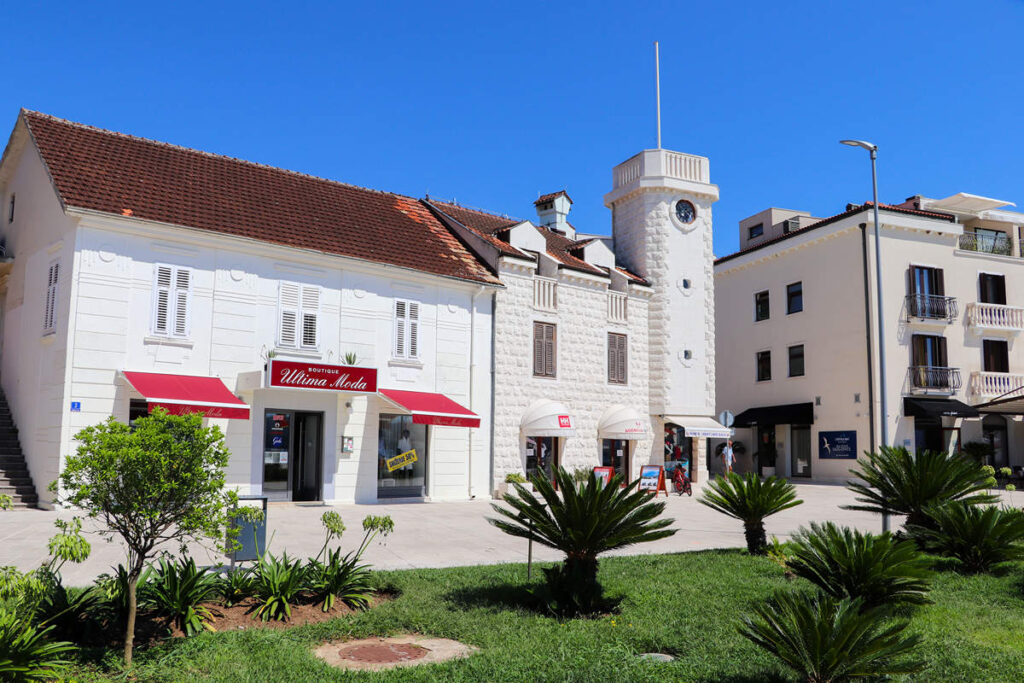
x,y
486,225
851,209
632,276
551,195
559,247
126,175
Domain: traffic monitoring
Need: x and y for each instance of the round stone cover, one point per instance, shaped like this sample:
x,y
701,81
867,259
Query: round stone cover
x,y
375,654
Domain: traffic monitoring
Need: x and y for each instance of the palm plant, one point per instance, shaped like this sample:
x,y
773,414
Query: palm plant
x,y
827,640
277,582
179,589
898,483
749,499
845,563
581,520
981,537
26,654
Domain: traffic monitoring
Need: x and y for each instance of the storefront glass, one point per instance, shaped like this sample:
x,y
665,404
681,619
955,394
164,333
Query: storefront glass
x,y
292,455
615,453
401,458
801,450
678,450
541,456
277,440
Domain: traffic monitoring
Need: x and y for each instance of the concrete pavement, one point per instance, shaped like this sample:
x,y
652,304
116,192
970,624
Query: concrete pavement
x,y
436,534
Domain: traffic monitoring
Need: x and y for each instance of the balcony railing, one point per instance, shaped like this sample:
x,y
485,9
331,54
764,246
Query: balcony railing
x,y
995,317
988,244
934,378
618,307
932,307
992,384
545,293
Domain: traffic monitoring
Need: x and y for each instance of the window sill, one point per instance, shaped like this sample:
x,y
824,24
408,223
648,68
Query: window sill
x,y
405,363
546,377
48,337
168,341
301,353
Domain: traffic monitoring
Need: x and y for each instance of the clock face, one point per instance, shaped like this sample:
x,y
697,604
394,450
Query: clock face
x,y
685,211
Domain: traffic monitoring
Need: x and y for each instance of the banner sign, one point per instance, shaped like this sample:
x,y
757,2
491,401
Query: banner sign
x,y
298,375
407,458
837,445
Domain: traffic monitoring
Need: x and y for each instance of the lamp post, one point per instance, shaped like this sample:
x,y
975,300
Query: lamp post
x,y
873,150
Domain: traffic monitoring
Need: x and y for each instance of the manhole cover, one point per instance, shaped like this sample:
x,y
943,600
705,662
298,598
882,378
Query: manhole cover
x,y
383,653
657,657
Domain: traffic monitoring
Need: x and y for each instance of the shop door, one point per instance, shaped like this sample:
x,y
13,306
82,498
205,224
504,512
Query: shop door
x,y
307,465
542,456
800,451
928,435
615,454
292,455
766,452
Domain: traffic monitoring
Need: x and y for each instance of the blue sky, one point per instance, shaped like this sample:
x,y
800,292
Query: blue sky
x,y
494,103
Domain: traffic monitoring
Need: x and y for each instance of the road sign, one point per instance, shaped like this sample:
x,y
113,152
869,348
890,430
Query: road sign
x,y
726,418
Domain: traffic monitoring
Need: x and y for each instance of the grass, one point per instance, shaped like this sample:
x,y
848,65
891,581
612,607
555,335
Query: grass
x,y
685,604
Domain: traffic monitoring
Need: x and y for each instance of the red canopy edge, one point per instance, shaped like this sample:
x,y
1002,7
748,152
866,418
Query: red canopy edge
x,y
182,394
431,409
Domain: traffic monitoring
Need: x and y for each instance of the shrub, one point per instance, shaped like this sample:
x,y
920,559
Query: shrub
x,y
980,451
1011,487
514,478
581,475
112,590
749,499
178,590
897,483
827,640
25,652
342,576
6,502
845,563
277,582
583,521
1005,473
980,537
67,610
988,470
236,585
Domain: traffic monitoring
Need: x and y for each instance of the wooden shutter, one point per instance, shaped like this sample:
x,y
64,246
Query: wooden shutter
x,y
942,352
288,305
50,306
538,349
310,314
549,350
617,358
400,324
162,300
182,287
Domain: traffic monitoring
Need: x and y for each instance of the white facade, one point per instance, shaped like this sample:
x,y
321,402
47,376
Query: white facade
x,y
836,327
58,381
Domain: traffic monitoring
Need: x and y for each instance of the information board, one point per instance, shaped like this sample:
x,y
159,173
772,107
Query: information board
x,y
837,445
604,474
652,479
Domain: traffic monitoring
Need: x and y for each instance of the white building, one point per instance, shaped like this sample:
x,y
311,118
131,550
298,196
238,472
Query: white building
x,y
147,274
796,314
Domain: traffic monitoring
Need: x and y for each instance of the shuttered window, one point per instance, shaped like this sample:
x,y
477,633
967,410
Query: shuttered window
x,y
544,349
172,291
617,360
407,329
298,316
50,307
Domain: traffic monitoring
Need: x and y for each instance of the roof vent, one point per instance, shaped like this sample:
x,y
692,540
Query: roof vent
x,y
553,213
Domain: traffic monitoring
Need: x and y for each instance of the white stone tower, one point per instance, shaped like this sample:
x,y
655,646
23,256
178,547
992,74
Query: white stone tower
x,y
661,224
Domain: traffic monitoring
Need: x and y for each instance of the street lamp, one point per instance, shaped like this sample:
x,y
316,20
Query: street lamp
x,y
873,150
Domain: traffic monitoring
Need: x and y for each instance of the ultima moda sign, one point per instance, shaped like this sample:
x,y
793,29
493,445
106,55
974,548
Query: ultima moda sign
x,y
297,375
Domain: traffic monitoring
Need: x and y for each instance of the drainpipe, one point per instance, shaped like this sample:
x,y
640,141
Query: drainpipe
x,y
472,375
494,317
867,332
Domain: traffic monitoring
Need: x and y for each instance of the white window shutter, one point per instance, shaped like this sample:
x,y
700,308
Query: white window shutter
x,y
414,330
288,305
310,315
162,300
182,292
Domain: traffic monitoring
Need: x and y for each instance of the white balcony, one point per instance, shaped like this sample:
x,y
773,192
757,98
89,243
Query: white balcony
x,y
545,294
993,384
618,307
995,317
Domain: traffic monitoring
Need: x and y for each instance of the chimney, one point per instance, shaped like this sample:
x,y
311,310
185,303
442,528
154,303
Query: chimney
x,y
553,212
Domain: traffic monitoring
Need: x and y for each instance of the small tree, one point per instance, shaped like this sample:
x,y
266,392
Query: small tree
x,y
161,480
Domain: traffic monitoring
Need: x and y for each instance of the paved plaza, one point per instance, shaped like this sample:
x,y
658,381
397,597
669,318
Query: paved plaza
x,y
438,534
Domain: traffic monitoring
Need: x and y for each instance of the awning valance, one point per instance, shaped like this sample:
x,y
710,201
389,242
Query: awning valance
x,y
789,414
937,407
622,422
181,394
431,409
547,418
700,426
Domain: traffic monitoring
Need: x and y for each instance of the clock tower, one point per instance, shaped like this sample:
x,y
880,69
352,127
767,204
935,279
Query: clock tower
x,y
661,226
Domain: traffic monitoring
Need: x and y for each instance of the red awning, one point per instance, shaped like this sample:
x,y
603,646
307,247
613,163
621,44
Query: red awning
x,y
181,394
431,409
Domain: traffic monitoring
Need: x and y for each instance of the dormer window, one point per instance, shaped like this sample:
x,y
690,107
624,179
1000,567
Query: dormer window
x,y
755,231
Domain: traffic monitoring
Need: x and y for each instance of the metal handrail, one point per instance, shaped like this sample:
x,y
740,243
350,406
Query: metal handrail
x,y
932,307
988,244
935,377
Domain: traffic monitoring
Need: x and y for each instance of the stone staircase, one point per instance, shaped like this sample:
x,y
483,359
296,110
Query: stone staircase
x,y
15,480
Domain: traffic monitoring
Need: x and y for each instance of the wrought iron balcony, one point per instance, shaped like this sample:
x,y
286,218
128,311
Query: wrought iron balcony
x,y
934,378
932,307
996,317
993,384
988,244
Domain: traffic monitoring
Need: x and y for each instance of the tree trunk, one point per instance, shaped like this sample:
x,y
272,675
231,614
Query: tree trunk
x,y
757,540
129,630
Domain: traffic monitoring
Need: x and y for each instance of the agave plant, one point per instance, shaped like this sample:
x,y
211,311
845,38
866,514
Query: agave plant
x,y
827,640
26,653
898,483
581,520
845,563
67,610
981,537
179,589
340,577
277,582
236,585
749,499
112,590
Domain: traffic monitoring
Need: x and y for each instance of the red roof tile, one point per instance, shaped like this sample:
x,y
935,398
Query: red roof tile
x,y
551,195
126,175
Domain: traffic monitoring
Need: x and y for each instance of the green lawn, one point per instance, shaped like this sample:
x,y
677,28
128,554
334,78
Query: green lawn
x,y
685,604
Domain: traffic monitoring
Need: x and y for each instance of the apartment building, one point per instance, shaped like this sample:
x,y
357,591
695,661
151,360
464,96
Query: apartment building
x,y
796,315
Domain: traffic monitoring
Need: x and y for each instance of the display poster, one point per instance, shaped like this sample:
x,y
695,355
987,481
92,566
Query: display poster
x,y
401,460
837,445
604,474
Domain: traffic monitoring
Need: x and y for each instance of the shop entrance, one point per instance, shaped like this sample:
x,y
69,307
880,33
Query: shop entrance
x,y
542,456
800,450
678,450
292,455
930,435
766,450
615,454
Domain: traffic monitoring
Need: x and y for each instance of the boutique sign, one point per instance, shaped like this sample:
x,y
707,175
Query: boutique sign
x,y
296,375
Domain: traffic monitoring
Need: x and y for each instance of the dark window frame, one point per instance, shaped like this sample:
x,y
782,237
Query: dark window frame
x,y
803,359
995,355
767,306
791,296
992,286
751,234
765,356
545,350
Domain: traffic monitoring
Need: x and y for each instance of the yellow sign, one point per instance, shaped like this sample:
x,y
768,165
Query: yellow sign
x,y
407,458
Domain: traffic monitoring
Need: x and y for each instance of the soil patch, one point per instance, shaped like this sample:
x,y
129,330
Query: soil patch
x,y
376,654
